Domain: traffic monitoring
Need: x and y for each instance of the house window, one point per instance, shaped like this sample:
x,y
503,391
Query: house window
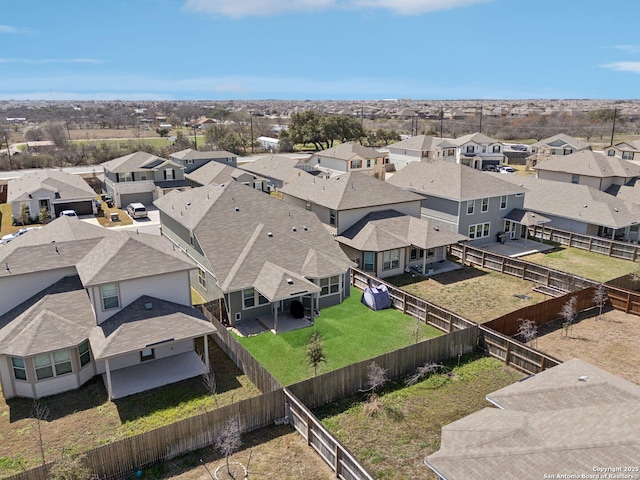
x,y
83,351
19,370
329,285
143,176
110,297
391,259
147,354
431,252
356,163
575,178
627,155
189,161
503,202
369,261
168,174
451,152
249,298
202,278
469,148
470,206
611,153
496,149
568,151
480,230
49,365
416,253
485,205
125,177
307,205
332,217
368,163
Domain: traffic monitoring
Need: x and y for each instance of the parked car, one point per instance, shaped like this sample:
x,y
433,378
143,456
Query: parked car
x,y
507,170
68,213
11,236
519,147
490,168
137,210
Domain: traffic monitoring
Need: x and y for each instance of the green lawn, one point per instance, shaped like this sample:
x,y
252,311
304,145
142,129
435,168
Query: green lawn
x,y
585,264
350,332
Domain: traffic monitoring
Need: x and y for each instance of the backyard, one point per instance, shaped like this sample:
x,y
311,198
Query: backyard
x,y
392,442
594,266
474,293
350,333
85,418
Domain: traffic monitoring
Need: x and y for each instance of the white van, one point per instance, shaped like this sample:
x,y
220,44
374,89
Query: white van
x,y
137,210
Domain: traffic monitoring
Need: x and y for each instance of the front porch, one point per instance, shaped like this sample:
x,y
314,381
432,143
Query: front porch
x,y
157,373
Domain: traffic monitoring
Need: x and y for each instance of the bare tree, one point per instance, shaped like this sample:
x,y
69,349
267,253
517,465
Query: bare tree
x,y
315,352
40,413
210,383
69,468
569,312
423,371
229,440
376,377
600,298
528,329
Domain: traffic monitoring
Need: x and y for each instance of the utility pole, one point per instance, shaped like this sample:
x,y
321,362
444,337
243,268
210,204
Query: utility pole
x,y
480,129
8,150
613,129
251,120
195,137
362,115
441,121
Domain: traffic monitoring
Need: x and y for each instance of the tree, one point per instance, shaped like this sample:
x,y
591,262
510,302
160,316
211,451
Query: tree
x,y
69,468
305,127
569,312
43,215
315,352
376,377
528,330
24,218
163,132
600,298
229,440
422,371
341,127
210,383
40,413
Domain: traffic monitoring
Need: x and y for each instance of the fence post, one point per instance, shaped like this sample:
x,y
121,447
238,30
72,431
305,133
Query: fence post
x,y
482,261
542,363
404,302
635,254
548,276
524,270
570,238
610,247
502,266
464,253
628,307
337,465
506,356
308,431
590,242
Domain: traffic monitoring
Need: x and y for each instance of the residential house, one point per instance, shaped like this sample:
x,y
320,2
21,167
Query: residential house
x,y
349,157
277,170
589,168
570,421
218,174
255,253
419,148
192,159
463,199
478,151
79,301
556,145
629,150
579,208
50,190
388,243
339,202
141,177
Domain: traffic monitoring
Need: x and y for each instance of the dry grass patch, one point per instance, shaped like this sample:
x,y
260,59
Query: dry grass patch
x,y
474,293
609,343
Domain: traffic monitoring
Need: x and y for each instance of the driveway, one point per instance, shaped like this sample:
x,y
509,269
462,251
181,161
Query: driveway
x,y
151,224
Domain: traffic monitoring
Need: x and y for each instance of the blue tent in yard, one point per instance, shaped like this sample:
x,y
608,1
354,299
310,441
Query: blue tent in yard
x,y
376,298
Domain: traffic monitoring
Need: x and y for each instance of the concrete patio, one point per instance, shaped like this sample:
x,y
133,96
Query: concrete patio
x,y
265,323
516,247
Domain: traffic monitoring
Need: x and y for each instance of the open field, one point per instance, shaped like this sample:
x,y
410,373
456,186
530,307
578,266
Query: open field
x,y
610,343
277,452
474,293
595,266
392,443
85,418
350,333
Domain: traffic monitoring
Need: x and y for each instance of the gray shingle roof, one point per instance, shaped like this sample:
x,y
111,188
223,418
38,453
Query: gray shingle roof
x,y
479,138
277,167
213,172
69,187
389,229
275,283
191,154
592,164
138,161
419,143
568,420
239,229
451,180
348,150
562,140
135,327
348,191
525,217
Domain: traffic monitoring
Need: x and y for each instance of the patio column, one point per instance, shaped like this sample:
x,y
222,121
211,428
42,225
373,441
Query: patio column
x,y
108,372
206,351
424,262
275,317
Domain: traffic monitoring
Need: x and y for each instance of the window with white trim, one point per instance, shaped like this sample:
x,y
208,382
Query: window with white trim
x,y
202,278
125,177
169,174
307,205
249,298
471,205
143,176
332,217
369,261
329,285
356,163
503,202
480,230
416,253
391,259
368,163
575,178
470,148
147,354
50,365
496,149
485,205
627,155
85,353
611,153
110,298
19,369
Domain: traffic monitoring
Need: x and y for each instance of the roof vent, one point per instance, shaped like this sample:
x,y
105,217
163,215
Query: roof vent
x,y
583,378
293,229
237,209
148,306
585,206
305,228
436,229
269,234
290,281
57,251
615,210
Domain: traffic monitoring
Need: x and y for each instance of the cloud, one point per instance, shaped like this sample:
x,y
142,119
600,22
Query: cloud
x,y
633,67
40,61
247,8
628,48
10,29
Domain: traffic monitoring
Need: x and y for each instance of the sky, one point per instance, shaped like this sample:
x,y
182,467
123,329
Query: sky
x,y
319,49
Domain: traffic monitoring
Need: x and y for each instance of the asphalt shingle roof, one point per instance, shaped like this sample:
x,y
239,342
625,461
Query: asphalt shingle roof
x,y
591,164
67,186
137,161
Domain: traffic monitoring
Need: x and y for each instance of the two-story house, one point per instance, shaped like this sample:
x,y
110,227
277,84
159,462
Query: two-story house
x,y
556,145
629,150
218,174
192,159
79,301
349,157
141,177
477,150
260,256
463,199
276,169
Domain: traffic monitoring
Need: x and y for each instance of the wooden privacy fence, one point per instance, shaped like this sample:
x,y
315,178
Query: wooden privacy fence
x,y
541,313
258,375
344,465
416,307
515,267
603,246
